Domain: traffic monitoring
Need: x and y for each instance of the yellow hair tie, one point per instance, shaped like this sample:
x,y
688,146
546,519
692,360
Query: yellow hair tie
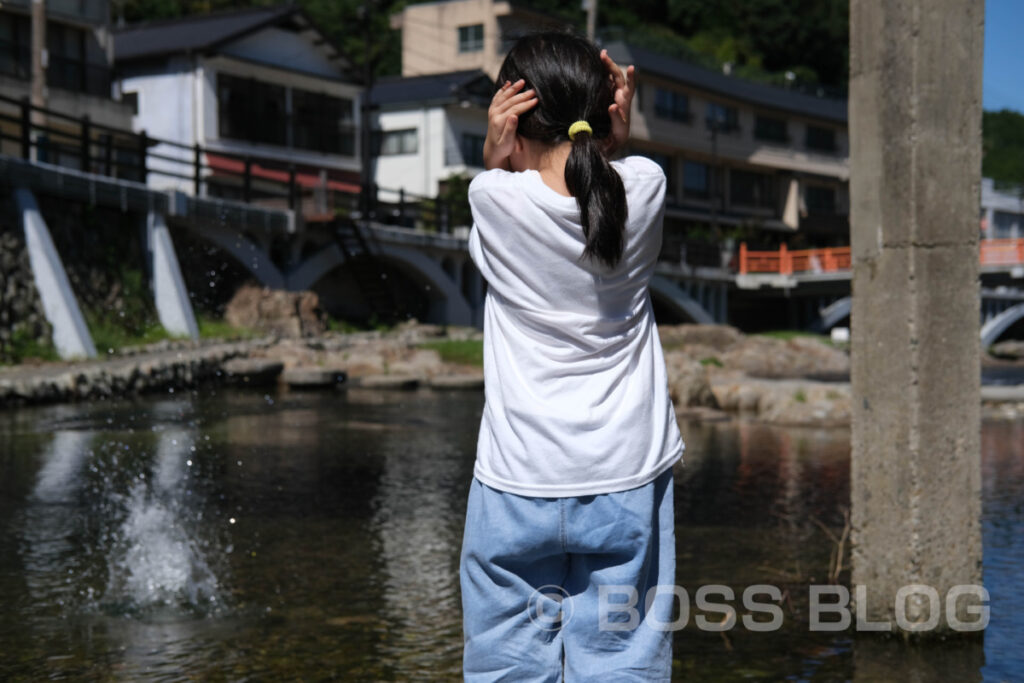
x,y
579,127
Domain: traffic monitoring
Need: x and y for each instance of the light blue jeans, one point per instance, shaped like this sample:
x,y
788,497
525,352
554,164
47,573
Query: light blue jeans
x,y
561,584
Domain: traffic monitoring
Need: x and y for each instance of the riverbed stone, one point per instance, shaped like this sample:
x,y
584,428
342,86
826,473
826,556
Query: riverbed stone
x,y
688,382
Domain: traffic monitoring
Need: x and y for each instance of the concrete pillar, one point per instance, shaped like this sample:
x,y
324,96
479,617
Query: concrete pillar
x,y
70,334
915,141
169,292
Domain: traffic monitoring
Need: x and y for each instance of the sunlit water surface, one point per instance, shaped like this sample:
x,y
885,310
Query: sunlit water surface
x,y
246,536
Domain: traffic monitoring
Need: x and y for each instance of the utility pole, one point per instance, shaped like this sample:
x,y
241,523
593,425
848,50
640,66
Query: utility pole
x,y
713,173
368,198
915,171
39,60
591,19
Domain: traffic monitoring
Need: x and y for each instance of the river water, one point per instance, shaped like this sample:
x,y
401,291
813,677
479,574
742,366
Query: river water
x,y
247,536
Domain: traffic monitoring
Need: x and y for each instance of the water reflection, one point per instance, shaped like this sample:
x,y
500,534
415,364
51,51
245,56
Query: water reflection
x,y
52,526
116,531
417,516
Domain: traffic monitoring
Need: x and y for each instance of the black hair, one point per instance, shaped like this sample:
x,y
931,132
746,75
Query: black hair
x,y
572,84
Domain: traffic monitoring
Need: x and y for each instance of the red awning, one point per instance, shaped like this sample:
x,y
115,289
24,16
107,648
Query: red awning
x,y
303,177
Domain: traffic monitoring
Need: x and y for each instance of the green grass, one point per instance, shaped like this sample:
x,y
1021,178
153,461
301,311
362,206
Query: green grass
x,y
463,351
342,326
217,328
107,336
711,360
799,396
786,335
23,347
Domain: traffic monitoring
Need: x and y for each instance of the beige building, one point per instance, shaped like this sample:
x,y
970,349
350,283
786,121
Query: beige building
x,y
78,74
744,160
460,35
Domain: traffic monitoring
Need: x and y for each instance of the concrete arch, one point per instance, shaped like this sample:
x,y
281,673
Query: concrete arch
x,y
833,314
672,295
448,305
251,256
994,328
315,267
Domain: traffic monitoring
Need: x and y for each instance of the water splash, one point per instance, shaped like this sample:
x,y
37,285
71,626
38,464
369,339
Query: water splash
x,y
157,558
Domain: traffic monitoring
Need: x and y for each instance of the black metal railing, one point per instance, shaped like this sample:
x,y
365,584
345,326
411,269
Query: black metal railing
x,y
45,135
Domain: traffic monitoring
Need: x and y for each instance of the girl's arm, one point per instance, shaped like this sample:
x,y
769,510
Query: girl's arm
x,y
502,118
625,87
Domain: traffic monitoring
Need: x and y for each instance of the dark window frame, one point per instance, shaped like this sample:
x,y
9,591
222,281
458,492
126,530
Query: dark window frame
x,y
690,191
381,137
313,121
730,122
770,128
763,192
671,109
471,145
469,43
321,122
821,139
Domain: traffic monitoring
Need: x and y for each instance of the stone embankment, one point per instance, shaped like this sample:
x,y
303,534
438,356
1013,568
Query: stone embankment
x,y
373,359
714,371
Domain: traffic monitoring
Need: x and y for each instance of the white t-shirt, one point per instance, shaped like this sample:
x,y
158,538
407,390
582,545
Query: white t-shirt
x,y
577,399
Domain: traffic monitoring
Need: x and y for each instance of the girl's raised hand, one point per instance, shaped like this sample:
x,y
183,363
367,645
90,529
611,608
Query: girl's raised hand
x,y
625,87
502,118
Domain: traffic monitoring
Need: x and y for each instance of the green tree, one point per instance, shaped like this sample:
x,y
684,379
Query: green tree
x,y
1003,146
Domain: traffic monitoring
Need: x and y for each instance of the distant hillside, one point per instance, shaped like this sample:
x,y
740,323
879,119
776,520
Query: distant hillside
x,y
1003,146
762,39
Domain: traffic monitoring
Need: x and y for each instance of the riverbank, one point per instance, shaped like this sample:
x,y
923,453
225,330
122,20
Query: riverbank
x,y
714,371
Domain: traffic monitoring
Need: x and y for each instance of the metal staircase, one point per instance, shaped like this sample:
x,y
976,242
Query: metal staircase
x,y
367,270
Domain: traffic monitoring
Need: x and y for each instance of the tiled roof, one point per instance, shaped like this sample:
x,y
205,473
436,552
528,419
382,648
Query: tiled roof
x,y
770,96
456,86
192,34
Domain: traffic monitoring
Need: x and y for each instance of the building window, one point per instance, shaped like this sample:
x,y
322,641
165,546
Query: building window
x,y
696,180
15,46
669,104
471,38
251,110
1007,224
131,100
751,189
322,123
725,117
820,199
821,139
473,149
395,142
770,129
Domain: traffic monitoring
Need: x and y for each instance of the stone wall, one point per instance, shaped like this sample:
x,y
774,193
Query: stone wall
x,y
22,319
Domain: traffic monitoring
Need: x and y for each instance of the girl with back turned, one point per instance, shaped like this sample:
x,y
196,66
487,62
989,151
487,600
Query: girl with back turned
x,y
569,524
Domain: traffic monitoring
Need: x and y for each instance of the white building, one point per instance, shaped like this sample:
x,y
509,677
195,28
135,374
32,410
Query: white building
x,y
427,129
1002,211
260,84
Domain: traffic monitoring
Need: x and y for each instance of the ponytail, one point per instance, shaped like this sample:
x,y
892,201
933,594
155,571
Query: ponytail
x,y
601,196
574,94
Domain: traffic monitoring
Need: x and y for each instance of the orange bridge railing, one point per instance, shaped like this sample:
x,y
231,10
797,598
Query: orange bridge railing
x,y
996,252
788,262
